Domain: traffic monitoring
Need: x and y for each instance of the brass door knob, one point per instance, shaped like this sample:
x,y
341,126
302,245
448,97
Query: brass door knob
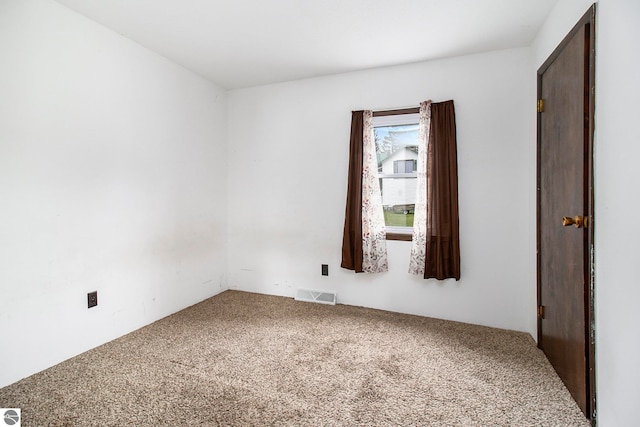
x,y
577,220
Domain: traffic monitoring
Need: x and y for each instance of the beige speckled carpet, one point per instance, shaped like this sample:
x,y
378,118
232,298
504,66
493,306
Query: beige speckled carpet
x,y
245,359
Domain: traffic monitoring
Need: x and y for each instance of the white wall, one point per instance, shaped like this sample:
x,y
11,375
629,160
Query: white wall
x,y
111,179
617,151
617,198
288,160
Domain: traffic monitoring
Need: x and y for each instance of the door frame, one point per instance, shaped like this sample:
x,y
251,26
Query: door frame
x,y
587,21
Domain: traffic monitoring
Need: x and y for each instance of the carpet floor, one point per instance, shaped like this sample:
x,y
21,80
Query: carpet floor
x,y
243,359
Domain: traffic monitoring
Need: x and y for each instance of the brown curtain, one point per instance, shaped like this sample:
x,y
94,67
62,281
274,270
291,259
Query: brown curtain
x,y
352,236
443,236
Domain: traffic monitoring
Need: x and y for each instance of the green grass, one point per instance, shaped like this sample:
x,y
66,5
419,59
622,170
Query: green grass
x,y
398,219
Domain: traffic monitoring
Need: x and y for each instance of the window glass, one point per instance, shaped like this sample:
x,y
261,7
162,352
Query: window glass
x,y
397,154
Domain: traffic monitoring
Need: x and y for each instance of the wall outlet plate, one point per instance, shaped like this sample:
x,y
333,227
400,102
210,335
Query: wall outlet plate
x,y
92,299
325,269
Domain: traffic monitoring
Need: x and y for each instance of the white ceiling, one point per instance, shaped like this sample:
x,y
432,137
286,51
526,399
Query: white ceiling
x,y
241,43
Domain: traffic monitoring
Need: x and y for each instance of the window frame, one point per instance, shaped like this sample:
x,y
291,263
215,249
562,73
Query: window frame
x,y
395,233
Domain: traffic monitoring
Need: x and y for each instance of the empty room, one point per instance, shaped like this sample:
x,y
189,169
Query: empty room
x,y
291,212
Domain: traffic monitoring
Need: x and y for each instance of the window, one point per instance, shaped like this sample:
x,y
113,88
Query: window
x,y
396,137
435,251
405,166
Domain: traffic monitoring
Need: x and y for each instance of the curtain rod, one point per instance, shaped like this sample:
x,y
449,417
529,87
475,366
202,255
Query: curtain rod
x,y
396,112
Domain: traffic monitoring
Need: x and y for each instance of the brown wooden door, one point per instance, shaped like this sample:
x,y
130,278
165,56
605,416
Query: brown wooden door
x,y
565,178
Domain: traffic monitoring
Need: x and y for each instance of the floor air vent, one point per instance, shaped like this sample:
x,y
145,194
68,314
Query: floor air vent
x,y
321,297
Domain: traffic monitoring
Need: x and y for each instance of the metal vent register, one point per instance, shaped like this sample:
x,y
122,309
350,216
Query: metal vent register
x,y
322,297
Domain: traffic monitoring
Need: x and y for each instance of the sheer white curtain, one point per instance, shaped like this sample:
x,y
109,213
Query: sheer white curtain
x,y
374,238
418,248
